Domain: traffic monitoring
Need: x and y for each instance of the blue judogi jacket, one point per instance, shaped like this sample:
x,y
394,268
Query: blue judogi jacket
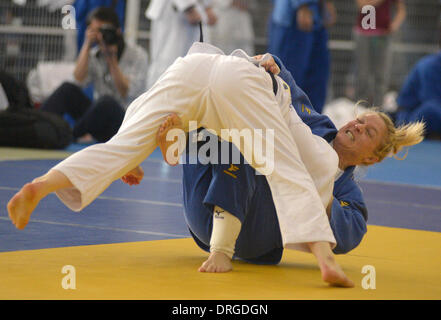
x,y
349,212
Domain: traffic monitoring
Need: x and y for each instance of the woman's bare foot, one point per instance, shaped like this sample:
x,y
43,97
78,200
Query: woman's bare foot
x,y
334,275
23,203
217,262
331,271
171,122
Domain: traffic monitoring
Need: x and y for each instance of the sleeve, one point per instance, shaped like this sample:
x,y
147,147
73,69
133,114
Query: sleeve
x,y
408,97
348,217
284,73
298,96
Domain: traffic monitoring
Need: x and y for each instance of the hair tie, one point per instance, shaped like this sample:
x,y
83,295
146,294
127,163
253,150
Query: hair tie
x,y
402,158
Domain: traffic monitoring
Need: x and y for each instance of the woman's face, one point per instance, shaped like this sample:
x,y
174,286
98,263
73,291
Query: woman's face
x,y
356,142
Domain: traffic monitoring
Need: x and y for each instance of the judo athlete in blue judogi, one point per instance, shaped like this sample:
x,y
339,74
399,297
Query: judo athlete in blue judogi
x,y
420,96
298,36
238,190
235,92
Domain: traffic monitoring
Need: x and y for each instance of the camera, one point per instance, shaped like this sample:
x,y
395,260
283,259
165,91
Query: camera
x,y
110,34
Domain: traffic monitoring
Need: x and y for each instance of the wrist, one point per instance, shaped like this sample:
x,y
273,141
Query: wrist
x,y
112,62
87,45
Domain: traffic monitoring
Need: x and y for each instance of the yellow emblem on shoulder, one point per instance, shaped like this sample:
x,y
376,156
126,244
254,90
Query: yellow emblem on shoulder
x,y
305,108
344,203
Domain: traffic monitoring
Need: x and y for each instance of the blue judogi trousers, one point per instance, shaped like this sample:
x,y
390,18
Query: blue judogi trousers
x,y
237,189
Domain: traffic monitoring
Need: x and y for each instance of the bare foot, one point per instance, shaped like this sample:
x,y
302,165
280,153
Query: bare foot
x,y
171,122
334,275
217,262
23,203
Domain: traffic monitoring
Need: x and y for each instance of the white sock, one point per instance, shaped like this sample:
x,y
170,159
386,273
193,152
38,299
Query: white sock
x,y
226,229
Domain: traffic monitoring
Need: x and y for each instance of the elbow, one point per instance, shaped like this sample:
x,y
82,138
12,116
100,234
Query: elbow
x,y
124,92
79,78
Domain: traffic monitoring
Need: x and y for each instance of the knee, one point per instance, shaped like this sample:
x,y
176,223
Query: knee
x,y
108,105
106,101
68,87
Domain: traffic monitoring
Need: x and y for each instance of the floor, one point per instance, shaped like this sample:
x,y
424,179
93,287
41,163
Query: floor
x,y
132,242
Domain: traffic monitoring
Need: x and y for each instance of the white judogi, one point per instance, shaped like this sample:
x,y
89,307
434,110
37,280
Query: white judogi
x,y
218,92
318,156
171,35
234,27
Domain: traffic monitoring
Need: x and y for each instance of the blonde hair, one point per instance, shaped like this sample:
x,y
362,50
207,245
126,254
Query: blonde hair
x,y
397,137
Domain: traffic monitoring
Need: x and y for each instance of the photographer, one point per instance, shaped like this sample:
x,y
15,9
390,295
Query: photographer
x,y
117,71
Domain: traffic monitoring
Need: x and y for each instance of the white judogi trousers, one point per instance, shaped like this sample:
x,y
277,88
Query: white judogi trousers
x,y
219,92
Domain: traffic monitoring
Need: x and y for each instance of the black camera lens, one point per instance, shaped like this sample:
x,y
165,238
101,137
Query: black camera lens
x,y
110,34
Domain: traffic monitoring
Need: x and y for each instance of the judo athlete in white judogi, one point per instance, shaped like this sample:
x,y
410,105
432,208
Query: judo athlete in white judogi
x,y
219,92
174,28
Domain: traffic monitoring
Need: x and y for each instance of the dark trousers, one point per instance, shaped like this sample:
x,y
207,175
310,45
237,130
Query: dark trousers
x,y
101,118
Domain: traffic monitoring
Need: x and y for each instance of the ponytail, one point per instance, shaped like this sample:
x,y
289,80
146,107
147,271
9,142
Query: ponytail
x,y
398,137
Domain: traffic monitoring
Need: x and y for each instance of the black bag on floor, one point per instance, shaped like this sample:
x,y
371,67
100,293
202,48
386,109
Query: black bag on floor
x,y
33,128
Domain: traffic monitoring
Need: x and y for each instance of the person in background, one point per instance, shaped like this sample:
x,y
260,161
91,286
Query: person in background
x,y
372,42
420,95
174,28
84,7
298,36
117,71
234,28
